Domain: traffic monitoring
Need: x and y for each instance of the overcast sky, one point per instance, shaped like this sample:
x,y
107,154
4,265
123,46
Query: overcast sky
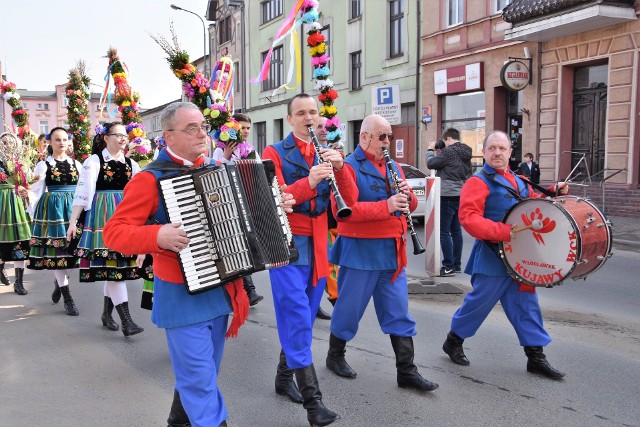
x,y
41,40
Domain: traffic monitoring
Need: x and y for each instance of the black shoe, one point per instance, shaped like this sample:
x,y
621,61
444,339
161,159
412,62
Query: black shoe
x,y
453,347
17,285
3,276
336,361
317,413
250,289
408,375
129,327
537,363
332,301
254,298
56,294
285,386
177,416
458,270
447,272
321,314
69,304
107,319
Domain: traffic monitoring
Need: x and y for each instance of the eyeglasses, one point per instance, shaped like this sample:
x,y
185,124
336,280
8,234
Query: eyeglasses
x,y
193,130
383,136
118,135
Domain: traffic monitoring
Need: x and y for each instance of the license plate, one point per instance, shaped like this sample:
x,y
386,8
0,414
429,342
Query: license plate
x,y
418,191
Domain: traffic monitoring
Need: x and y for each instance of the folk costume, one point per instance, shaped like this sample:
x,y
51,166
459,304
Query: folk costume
x,y
99,190
298,287
485,199
195,325
52,194
15,231
372,230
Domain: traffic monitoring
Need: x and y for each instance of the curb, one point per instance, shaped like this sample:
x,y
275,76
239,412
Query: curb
x,y
423,285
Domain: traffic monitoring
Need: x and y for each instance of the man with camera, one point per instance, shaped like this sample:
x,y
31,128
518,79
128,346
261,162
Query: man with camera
x,y
452,161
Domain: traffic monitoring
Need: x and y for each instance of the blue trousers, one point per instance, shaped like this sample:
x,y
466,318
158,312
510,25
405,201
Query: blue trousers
x,y
450,233
196,353
391,301
296,303
522,309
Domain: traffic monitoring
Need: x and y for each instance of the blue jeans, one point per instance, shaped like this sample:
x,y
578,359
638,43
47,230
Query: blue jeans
x,y
450,233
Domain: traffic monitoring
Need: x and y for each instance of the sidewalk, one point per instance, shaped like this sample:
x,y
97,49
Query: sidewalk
x,y
626,232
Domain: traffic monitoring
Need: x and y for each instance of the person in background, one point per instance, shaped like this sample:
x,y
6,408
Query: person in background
x,y
484,201
42,146
231,152
99,190
195,325
530,169
297,288
15,231
372,255
52,193
453,165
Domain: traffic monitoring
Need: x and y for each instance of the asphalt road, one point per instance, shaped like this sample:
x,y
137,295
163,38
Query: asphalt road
x,y
58,370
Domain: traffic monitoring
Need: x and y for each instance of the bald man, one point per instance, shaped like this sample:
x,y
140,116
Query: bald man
x,y
377,226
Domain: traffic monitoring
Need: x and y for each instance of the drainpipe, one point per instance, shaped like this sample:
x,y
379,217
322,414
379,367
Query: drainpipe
x,y
418,104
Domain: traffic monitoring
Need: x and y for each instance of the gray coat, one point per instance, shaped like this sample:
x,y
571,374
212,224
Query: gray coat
x,y
453,166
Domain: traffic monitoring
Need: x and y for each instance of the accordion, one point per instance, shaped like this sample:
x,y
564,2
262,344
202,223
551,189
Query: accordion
x,y
232,217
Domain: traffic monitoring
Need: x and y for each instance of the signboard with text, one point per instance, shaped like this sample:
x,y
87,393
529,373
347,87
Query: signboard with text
x,y
462,78
385,102
399,148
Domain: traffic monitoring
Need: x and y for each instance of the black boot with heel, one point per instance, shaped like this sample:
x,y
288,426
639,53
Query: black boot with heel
x,y
336,361
69,304
285,386
18,288
129,327
4,280
107,319
408,375
177,416
453,347
537,363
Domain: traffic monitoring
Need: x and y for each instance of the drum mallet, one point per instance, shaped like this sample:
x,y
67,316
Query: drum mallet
x,y
536,224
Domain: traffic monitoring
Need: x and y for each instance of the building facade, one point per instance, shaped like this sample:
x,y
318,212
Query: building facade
x,y
579,113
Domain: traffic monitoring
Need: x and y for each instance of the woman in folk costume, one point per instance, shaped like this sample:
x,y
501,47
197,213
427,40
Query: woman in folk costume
x,y
15,231
52,195
102,178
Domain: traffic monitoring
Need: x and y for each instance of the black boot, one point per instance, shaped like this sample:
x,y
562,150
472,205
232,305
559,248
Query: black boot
x,y
332,301
107,319
129,327
453,347
317,413
250,289
177,417
3,276
69,305
408,375
17,285
285,386
321,314
538,364
56,294
335,358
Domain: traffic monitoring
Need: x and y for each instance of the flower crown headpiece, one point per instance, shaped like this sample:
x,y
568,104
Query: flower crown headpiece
x,y
101,129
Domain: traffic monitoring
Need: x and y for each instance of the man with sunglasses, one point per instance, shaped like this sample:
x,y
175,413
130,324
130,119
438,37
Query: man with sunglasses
x,y
195,325
377,226
453,165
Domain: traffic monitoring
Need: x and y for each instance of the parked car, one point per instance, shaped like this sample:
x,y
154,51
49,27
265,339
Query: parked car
x,y
417,180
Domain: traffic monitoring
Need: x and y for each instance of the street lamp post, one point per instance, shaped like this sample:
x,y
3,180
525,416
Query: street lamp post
x,y
204,27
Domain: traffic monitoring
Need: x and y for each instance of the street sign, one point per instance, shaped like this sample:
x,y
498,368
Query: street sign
x,y
399,148
385,102
426,114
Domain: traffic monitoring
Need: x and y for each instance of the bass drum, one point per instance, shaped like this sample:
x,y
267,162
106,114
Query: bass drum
x,y
561,237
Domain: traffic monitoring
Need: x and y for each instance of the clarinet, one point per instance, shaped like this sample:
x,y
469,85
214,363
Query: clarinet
x,y
344,211
417,246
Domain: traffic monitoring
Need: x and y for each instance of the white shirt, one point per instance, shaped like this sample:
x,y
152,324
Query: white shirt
x,y
86,188
218,155
39,187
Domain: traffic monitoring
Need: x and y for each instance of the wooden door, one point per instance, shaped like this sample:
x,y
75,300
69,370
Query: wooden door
x,y
589,121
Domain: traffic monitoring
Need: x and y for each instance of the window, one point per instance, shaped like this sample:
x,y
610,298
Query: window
x,y
225,30
25,106
466,112
276,69
270,10
261,136
278,130
356,70
156,123
396,18
356,9
454,11
500,4
326,32
43,106
236,77
44,126
65,102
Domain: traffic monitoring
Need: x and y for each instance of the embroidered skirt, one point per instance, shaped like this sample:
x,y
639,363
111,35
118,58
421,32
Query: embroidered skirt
x,y
15,230
49,230
97,262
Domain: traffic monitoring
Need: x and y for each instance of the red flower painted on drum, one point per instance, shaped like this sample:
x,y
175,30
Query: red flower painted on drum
x,y
548,225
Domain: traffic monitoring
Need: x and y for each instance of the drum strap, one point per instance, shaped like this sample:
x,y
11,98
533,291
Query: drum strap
x,y
539,187
510,189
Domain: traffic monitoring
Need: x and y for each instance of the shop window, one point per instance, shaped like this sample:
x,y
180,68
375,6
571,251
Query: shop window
x,y
466,112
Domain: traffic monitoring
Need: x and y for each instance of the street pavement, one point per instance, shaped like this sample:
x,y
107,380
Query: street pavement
x,y
57,370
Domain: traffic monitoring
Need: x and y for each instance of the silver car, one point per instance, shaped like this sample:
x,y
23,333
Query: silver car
x,y
417,180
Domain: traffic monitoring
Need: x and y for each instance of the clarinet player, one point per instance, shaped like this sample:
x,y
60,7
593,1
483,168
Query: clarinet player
x,y
377,226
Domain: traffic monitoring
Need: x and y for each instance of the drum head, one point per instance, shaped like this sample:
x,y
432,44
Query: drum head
x,y
545,253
